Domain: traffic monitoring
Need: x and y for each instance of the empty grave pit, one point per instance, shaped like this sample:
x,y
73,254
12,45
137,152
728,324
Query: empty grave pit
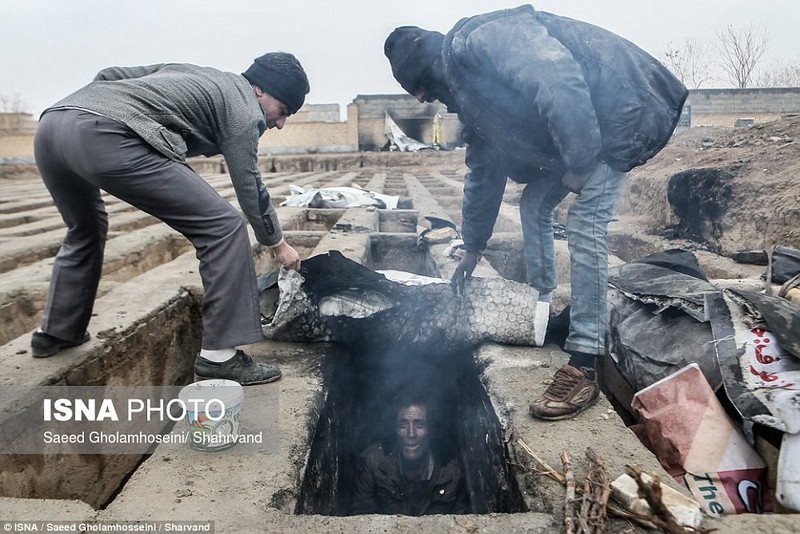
x,y
159,350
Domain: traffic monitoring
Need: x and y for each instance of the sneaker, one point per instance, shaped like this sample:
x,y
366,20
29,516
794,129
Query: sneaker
x,y
44,345
241,368
570,393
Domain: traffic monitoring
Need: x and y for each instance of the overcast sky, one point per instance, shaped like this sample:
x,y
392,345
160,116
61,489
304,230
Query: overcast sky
x,y
49,48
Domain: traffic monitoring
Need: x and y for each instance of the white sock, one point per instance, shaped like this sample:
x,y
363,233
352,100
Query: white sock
x,y
540,319
546,297
218,356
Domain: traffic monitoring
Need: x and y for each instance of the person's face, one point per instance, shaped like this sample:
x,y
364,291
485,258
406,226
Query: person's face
x,y
425,89
275,111
423,96
432,86
413,432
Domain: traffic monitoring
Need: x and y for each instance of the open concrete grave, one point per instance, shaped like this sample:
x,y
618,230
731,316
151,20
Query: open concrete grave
x,y
146,331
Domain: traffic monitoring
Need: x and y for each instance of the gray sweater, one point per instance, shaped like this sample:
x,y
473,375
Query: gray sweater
x,y
184,110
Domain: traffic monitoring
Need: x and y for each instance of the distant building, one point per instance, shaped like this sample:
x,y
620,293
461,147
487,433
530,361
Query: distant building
x,y
318,128
16,136
317,113
415,119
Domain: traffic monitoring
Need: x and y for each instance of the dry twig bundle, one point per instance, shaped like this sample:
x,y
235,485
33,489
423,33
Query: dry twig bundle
x,y
569,497
595,497
596,491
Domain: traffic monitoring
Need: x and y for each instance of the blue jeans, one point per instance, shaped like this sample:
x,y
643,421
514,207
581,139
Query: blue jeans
x,y
587,237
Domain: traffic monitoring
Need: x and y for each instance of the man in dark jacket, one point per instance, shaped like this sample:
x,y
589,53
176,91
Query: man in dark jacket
x,y
128,133
560,105
404,476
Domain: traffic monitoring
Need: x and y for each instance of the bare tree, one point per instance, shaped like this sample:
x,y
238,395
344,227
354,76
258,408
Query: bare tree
x,y
15,114
779,75
12,104
691,63
740,50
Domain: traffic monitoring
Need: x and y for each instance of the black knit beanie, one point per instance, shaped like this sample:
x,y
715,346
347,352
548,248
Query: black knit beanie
x,y
280,75
411,52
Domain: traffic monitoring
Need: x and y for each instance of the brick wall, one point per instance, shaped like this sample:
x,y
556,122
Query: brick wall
x,y
723,107
308,137
317,113
17,123
314,128
16,135
16,146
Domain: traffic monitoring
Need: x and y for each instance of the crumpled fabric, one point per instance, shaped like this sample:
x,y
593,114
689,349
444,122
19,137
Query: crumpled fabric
x,y
336,299
657,319
664,315
338,197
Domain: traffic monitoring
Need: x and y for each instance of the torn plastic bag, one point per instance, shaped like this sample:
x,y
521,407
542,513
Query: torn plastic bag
x,y
336,299
656,320
758,343
696,442
398,138
749,344
758,346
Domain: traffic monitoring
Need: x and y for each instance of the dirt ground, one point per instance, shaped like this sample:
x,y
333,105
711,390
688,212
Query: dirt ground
x,y
726,189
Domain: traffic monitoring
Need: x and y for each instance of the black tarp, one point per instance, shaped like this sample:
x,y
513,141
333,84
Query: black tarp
x,y
664,314
657,319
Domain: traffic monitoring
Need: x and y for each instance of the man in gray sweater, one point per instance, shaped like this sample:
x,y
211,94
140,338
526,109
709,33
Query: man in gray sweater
x,y
129,133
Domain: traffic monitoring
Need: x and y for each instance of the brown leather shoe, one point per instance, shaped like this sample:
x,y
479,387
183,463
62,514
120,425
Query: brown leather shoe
x,y
569,394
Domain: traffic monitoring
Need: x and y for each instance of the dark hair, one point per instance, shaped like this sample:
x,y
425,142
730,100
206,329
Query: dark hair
x,y
404,400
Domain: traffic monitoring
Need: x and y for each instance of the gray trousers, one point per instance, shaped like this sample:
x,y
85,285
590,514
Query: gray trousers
x,y
78,154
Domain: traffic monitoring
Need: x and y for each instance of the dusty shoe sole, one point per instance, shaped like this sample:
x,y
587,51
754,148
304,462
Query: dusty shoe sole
x,y
269,380
240,368
565,416
198,378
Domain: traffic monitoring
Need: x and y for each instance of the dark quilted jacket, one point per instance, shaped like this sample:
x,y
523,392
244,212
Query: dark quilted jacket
x,y
540,94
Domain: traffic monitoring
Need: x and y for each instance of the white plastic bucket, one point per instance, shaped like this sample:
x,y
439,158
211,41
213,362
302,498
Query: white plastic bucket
x,y
212,413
